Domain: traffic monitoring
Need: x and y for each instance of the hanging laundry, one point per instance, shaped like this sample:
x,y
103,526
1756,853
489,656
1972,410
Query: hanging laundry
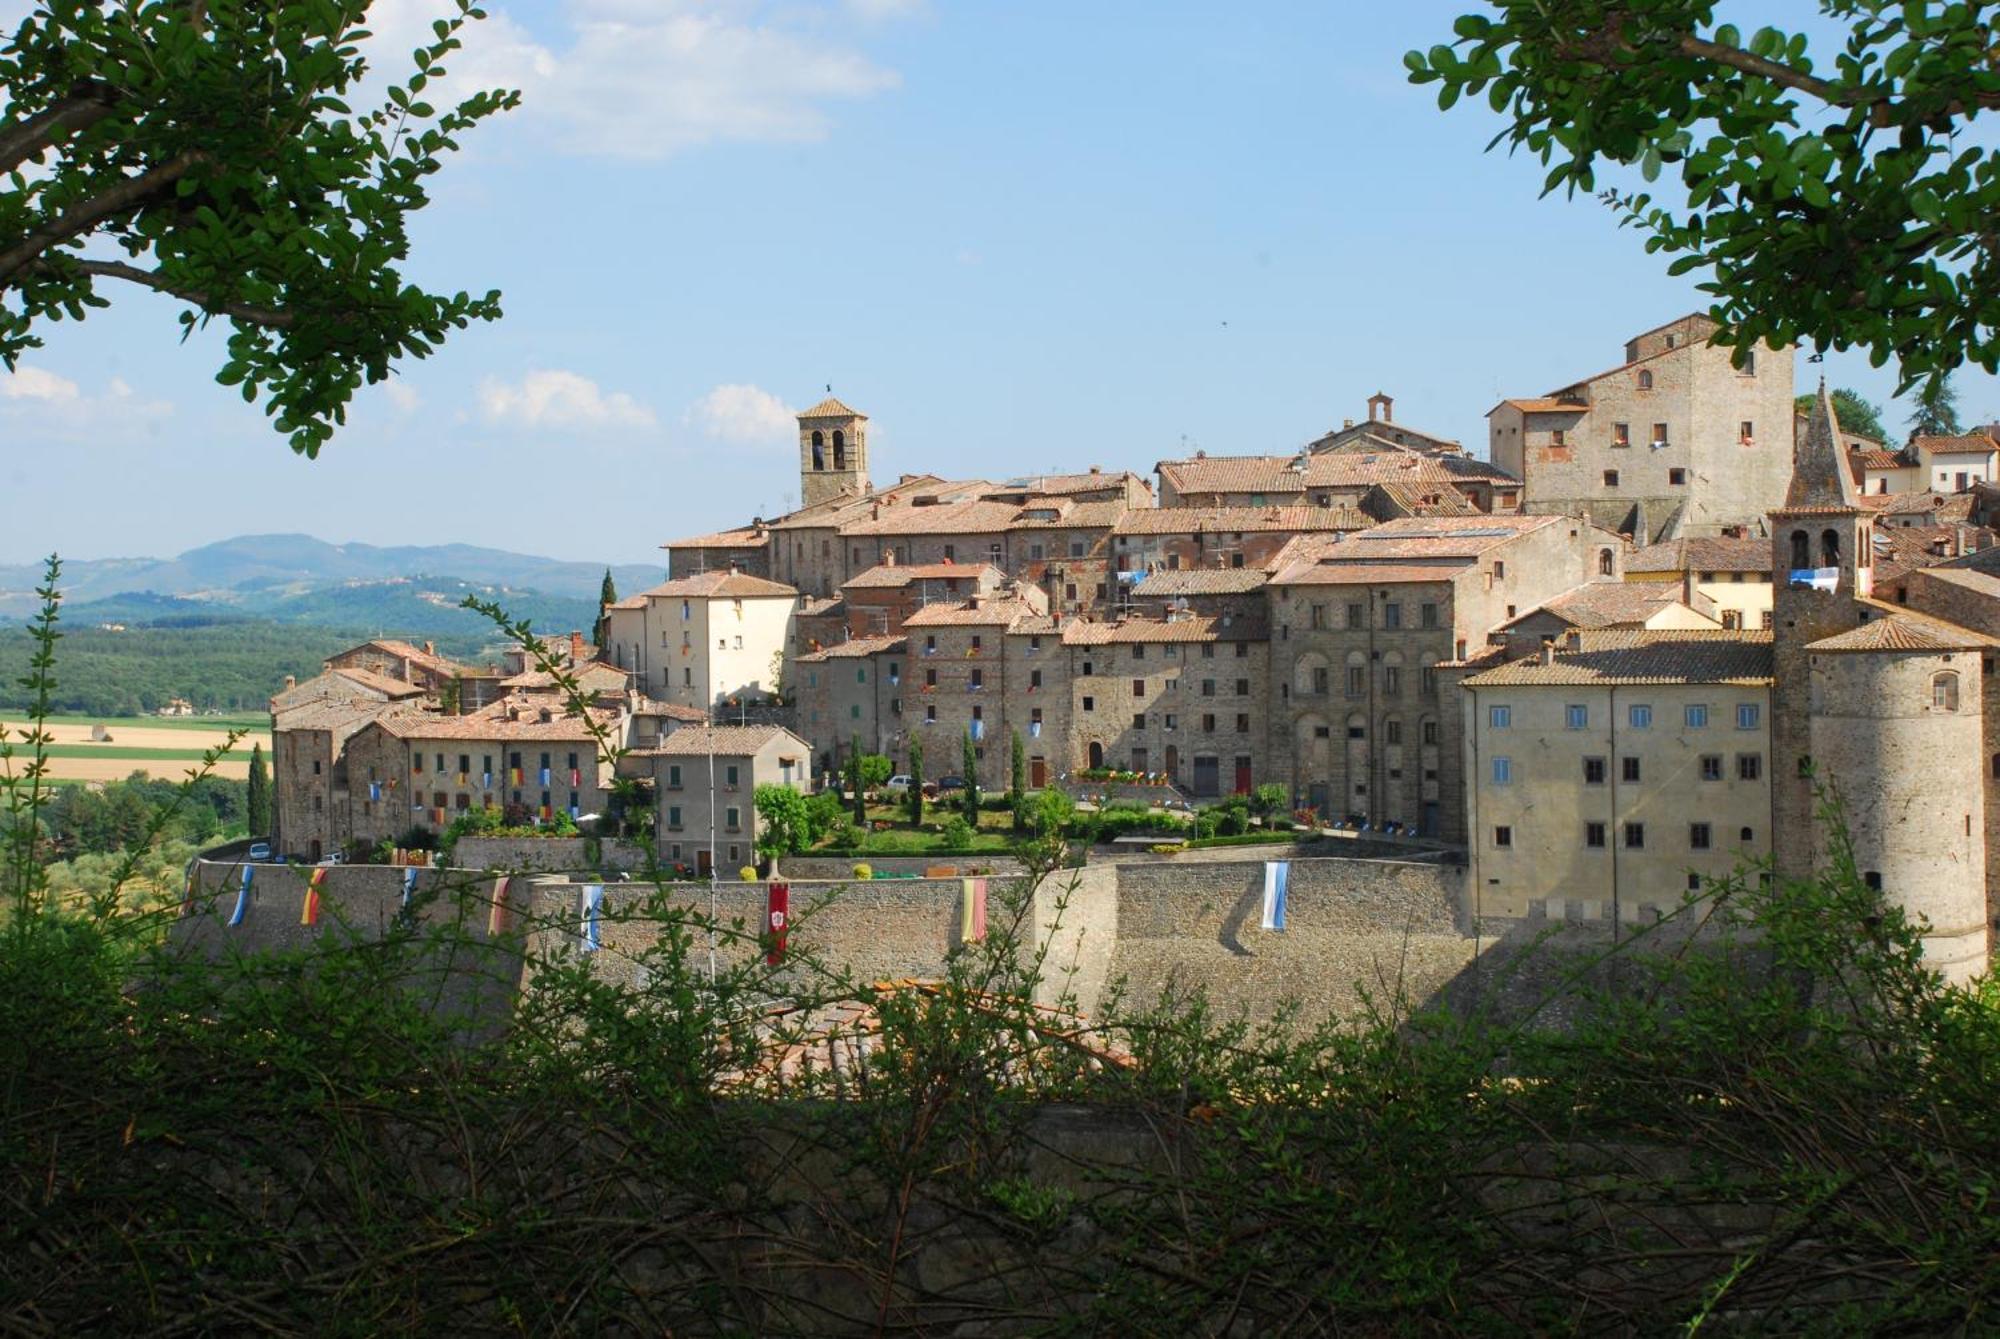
x,y
409,886
242,906
778,919
593,908
1277,879
972,911
309,910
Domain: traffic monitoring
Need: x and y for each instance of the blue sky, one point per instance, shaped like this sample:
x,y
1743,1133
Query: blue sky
x,y
1019,236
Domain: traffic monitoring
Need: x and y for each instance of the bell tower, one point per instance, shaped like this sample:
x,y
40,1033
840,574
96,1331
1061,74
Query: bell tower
x,y
1822,567
833,453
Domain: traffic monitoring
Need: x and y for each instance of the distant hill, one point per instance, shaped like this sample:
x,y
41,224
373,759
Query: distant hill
x,y
283,576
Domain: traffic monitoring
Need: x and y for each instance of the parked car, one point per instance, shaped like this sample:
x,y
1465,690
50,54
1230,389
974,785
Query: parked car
x,y
337,858
900,785
258,851
947,784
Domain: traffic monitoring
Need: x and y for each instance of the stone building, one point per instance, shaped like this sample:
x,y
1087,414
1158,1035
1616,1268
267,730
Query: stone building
x,y
1172,539
875,603
852,689
1603,606
1361,723
833,453
958,682
1732,573
705,783
1610,772
703,641
1333,478
402,662
1677,440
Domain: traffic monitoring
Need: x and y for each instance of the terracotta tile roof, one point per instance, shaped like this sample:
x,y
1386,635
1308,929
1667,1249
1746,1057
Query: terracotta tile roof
x,y
380,683
1427,502
1208,520
722,585
839,511
743,537
1610,604
855,648
986,614
1438,537
673,711
1958,444
1326,469
416,655
971,517
340,717
1203,581
1878,460
1903,630
1070,515
830,408
892,576
733,741
493,723
1718,553
1900,549
1644,657
1546,405
1083,632
593,678
1057,485
1952,506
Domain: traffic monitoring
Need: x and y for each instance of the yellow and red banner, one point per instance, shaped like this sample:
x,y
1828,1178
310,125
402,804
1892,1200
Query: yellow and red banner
x,y
309,910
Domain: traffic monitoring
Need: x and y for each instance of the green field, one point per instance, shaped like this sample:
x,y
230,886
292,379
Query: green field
x,y
259,724
116,751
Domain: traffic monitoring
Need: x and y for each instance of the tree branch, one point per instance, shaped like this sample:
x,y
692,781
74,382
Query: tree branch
x,y
269,317
127,194
23,140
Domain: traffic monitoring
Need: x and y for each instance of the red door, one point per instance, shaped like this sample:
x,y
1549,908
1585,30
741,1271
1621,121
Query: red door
x,y
1242,774
1038,772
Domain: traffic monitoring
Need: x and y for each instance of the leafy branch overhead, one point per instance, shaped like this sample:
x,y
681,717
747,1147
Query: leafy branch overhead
x,y
1839,205
206,151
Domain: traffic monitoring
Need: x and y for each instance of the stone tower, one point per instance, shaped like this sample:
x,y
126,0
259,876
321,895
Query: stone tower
x,y
1822,566
833,453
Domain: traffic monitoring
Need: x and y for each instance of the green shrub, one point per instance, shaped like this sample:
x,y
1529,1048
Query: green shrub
x,y
864,871
748,874
956,833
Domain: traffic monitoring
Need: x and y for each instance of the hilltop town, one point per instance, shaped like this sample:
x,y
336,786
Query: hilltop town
x,y
1631,646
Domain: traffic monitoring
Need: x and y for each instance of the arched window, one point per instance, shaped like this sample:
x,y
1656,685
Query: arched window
x,y
1604,561
1645,381
1944,691
1357,726
839,449
1801,550
1310,675
819,451
1829,548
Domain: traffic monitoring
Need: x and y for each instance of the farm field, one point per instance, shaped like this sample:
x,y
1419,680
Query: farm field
x,y
159,747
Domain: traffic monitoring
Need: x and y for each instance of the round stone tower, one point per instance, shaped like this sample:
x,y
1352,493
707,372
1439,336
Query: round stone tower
x,y
1896,727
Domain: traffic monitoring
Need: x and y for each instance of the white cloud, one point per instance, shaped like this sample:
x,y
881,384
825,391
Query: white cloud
x,y
402,396
742,413
648,78
879,10
558,399
34,383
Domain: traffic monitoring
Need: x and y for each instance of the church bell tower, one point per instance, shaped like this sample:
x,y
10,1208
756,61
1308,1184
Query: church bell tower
x,y
833,453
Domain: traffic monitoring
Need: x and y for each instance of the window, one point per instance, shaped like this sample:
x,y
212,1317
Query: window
x,y
1629,769
1557,437
674,817
1357,680
1138,653
1696,714
1319,679
1873,878
1392,614
1357,615
1944,691
1711,767
674,777
732,818
1640,716
1138,688
1677,476
729,776
1427,681
1034,678
1392,681
1749,365
1242,723
1392,732
1503,771
1427,614
1593,836
1645,381
1635,836
1242,688
1503,836
1090,704
930,678
1499,570
978,680
1659,434
1139,720
1747,433
1748,834
1604,561
930,711
1748,716
1749,766
1172,721
1577,717
1611,478
1698,837
1801,551
1317,617
1593,771
1500,718
1208,688
1621,434
1208,722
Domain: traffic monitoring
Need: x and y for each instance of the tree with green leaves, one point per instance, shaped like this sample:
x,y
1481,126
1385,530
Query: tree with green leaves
x,y
854,781
205,149
875,769
607,595
916,782
1840,203
1017,782
257,805
784,822
1936,412
968,799
1857,414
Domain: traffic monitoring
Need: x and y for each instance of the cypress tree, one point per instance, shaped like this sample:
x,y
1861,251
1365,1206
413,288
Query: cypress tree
x,y
258,801
607,595
916,782
854,781
969,760
1017,782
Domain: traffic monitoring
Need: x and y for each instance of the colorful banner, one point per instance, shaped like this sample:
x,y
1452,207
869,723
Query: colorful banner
x,y
972,911
309,910
242,896
547,813
497,919
576,776
517,775
777,921
486,780
374,790
409,885
545,776
593,909
1277,881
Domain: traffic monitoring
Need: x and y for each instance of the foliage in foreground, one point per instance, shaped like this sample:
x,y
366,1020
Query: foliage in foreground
x,y
1843,203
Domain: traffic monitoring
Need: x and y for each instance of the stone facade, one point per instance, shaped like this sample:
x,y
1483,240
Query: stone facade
x,y
705,782
1678,440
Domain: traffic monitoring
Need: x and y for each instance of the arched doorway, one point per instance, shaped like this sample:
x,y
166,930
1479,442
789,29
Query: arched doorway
x,y
1173,764
1096,754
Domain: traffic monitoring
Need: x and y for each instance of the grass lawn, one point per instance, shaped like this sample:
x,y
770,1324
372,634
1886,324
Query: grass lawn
x,y
117,751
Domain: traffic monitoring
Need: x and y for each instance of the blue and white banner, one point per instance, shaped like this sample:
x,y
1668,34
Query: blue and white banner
x,y
593,909
1277,879
409,885
242,906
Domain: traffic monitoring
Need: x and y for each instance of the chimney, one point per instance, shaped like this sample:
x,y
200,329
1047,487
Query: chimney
x,y
1346,423
1687,589
1573,640
1097,469
1549,651
291,682
575,646
430,648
